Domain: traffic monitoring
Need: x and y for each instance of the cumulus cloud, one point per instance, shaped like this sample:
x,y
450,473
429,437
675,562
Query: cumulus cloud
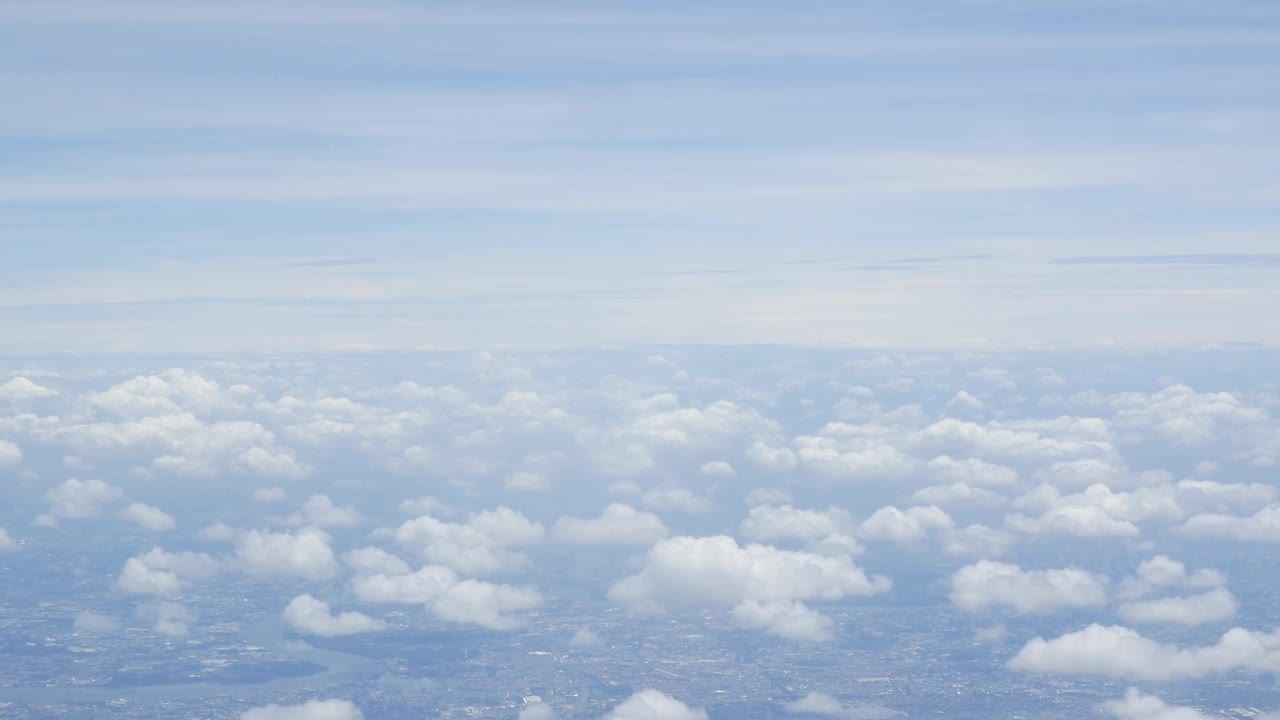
x,y
767,496
164,573
268,495
988,584
425,505
1262,526
310,710
618,525
319,511
525,480
7,543
971,471
480,546
762,585
217,532
10,453
977,540
650,704
956,493
170,392
768,522
1119,652
421,586
1162,571
304,554
1180,414
717,468
370,560
788,619
488,605
1076,520
1212,606
1026,440
844,452
309,616
183,444
1137,705
677,500
21,388
894,525
771,459
78,499
1099,510
146,516
447,597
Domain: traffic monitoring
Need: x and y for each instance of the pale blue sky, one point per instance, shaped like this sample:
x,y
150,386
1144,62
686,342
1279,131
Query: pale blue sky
x,y
298,176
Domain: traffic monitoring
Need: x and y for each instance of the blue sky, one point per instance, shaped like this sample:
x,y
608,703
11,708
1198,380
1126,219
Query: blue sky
x,y
193,176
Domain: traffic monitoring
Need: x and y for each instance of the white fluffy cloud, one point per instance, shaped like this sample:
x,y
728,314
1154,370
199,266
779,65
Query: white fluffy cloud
x,y
677,500
217,532
1077,520
988,584
10,453
971,471
1180,414
956,493
767,522
303,554
310,710
267,495
146,516
488,605
618,524
319,511
170,392
21,388
1262,526
78,499
447,597
815,703
7,543
788,619
182,444
717,468
309,616
650,704
1119,652
369,560
762,585
1140,505
1161,572
1137,705
1026,440
771,459
845,452
480,546
977,540
894,525
164,573
1213,606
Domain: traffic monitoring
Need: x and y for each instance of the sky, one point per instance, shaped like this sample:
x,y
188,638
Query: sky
x,y
286,176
